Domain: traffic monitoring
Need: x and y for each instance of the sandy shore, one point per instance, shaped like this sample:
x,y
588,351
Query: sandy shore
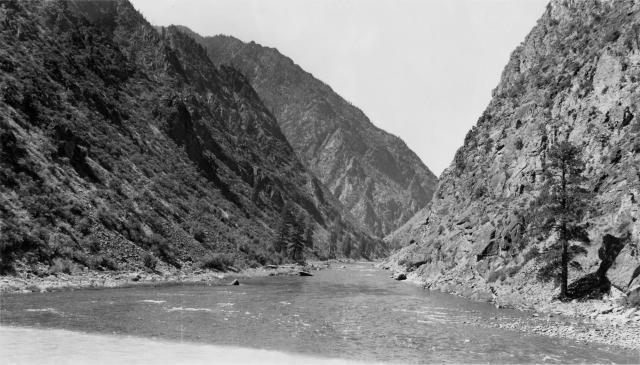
x,y
29,283
54,346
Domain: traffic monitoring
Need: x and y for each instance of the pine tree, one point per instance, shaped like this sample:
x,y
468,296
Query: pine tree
x,y
290,242
308,233
364,247
333,244
296,243
347,246
285,229
560,209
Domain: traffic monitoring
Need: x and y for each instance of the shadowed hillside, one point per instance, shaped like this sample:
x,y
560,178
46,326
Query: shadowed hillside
x,y
122,146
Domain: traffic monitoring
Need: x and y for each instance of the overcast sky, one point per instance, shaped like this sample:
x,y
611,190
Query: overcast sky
x,y
420,69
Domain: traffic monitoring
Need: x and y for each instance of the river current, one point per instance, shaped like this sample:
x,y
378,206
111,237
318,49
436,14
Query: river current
x,y
351,313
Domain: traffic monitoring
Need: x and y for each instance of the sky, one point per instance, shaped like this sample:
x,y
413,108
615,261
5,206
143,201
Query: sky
x,y
420,69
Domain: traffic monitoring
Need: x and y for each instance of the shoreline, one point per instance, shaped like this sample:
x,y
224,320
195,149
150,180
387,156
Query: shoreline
x,y
567,320
604,322
29,283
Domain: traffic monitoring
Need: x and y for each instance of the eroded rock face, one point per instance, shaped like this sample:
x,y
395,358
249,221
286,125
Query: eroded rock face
x,y
373,173
575,76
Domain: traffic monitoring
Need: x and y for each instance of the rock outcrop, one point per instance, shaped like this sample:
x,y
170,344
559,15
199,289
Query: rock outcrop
x,y
574,77
124,147
373,173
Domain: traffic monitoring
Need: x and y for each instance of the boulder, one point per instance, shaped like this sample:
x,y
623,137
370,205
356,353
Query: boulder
x,y
234,282
617,296
304,273
633,299
608,252
625,268
401,276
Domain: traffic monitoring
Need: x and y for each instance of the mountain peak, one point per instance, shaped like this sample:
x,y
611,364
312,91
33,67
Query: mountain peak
x,y
335,139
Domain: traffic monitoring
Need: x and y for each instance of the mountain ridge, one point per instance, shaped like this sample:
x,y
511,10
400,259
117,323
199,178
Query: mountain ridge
x,y
335,139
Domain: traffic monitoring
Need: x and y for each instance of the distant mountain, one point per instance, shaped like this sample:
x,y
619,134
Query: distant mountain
x,y
121,145
575,77
373,173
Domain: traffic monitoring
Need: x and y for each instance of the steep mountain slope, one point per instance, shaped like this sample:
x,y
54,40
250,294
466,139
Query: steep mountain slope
x,y
373,173
406,233
575,76
122,145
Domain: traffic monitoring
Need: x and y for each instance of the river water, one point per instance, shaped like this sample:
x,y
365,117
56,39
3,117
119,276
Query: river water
x,y
352,313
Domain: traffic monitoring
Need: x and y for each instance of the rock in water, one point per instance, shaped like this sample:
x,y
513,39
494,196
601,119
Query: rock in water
x,y
401,276
304,273
234,282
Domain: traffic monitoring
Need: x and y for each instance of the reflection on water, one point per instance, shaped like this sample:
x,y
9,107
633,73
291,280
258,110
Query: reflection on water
x,y
357,313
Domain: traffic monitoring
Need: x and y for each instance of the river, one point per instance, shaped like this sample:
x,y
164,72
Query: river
x,y
352,313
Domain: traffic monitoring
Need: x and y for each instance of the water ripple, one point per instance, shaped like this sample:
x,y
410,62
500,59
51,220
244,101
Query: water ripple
x,y
188,309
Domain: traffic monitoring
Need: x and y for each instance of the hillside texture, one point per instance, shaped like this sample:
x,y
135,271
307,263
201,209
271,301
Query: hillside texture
x,y
122,146
373,173
576,76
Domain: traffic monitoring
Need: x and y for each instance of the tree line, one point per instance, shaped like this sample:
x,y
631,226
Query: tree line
x,y
295,235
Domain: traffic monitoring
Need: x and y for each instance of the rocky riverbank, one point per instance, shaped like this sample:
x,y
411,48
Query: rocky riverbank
x,y
30,283
607,321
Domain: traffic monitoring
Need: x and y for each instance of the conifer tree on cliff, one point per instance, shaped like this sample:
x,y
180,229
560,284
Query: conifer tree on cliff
x,y
560,210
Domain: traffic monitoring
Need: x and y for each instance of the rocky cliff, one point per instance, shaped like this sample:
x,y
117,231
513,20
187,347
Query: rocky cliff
x,y
122,146
373,173
575,77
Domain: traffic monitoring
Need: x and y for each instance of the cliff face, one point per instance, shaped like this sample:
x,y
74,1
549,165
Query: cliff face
x,y
575,76
121,145
373,173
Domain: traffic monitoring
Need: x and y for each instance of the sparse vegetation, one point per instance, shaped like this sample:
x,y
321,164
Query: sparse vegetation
x,y
217,261
149,261
61,265
518,144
